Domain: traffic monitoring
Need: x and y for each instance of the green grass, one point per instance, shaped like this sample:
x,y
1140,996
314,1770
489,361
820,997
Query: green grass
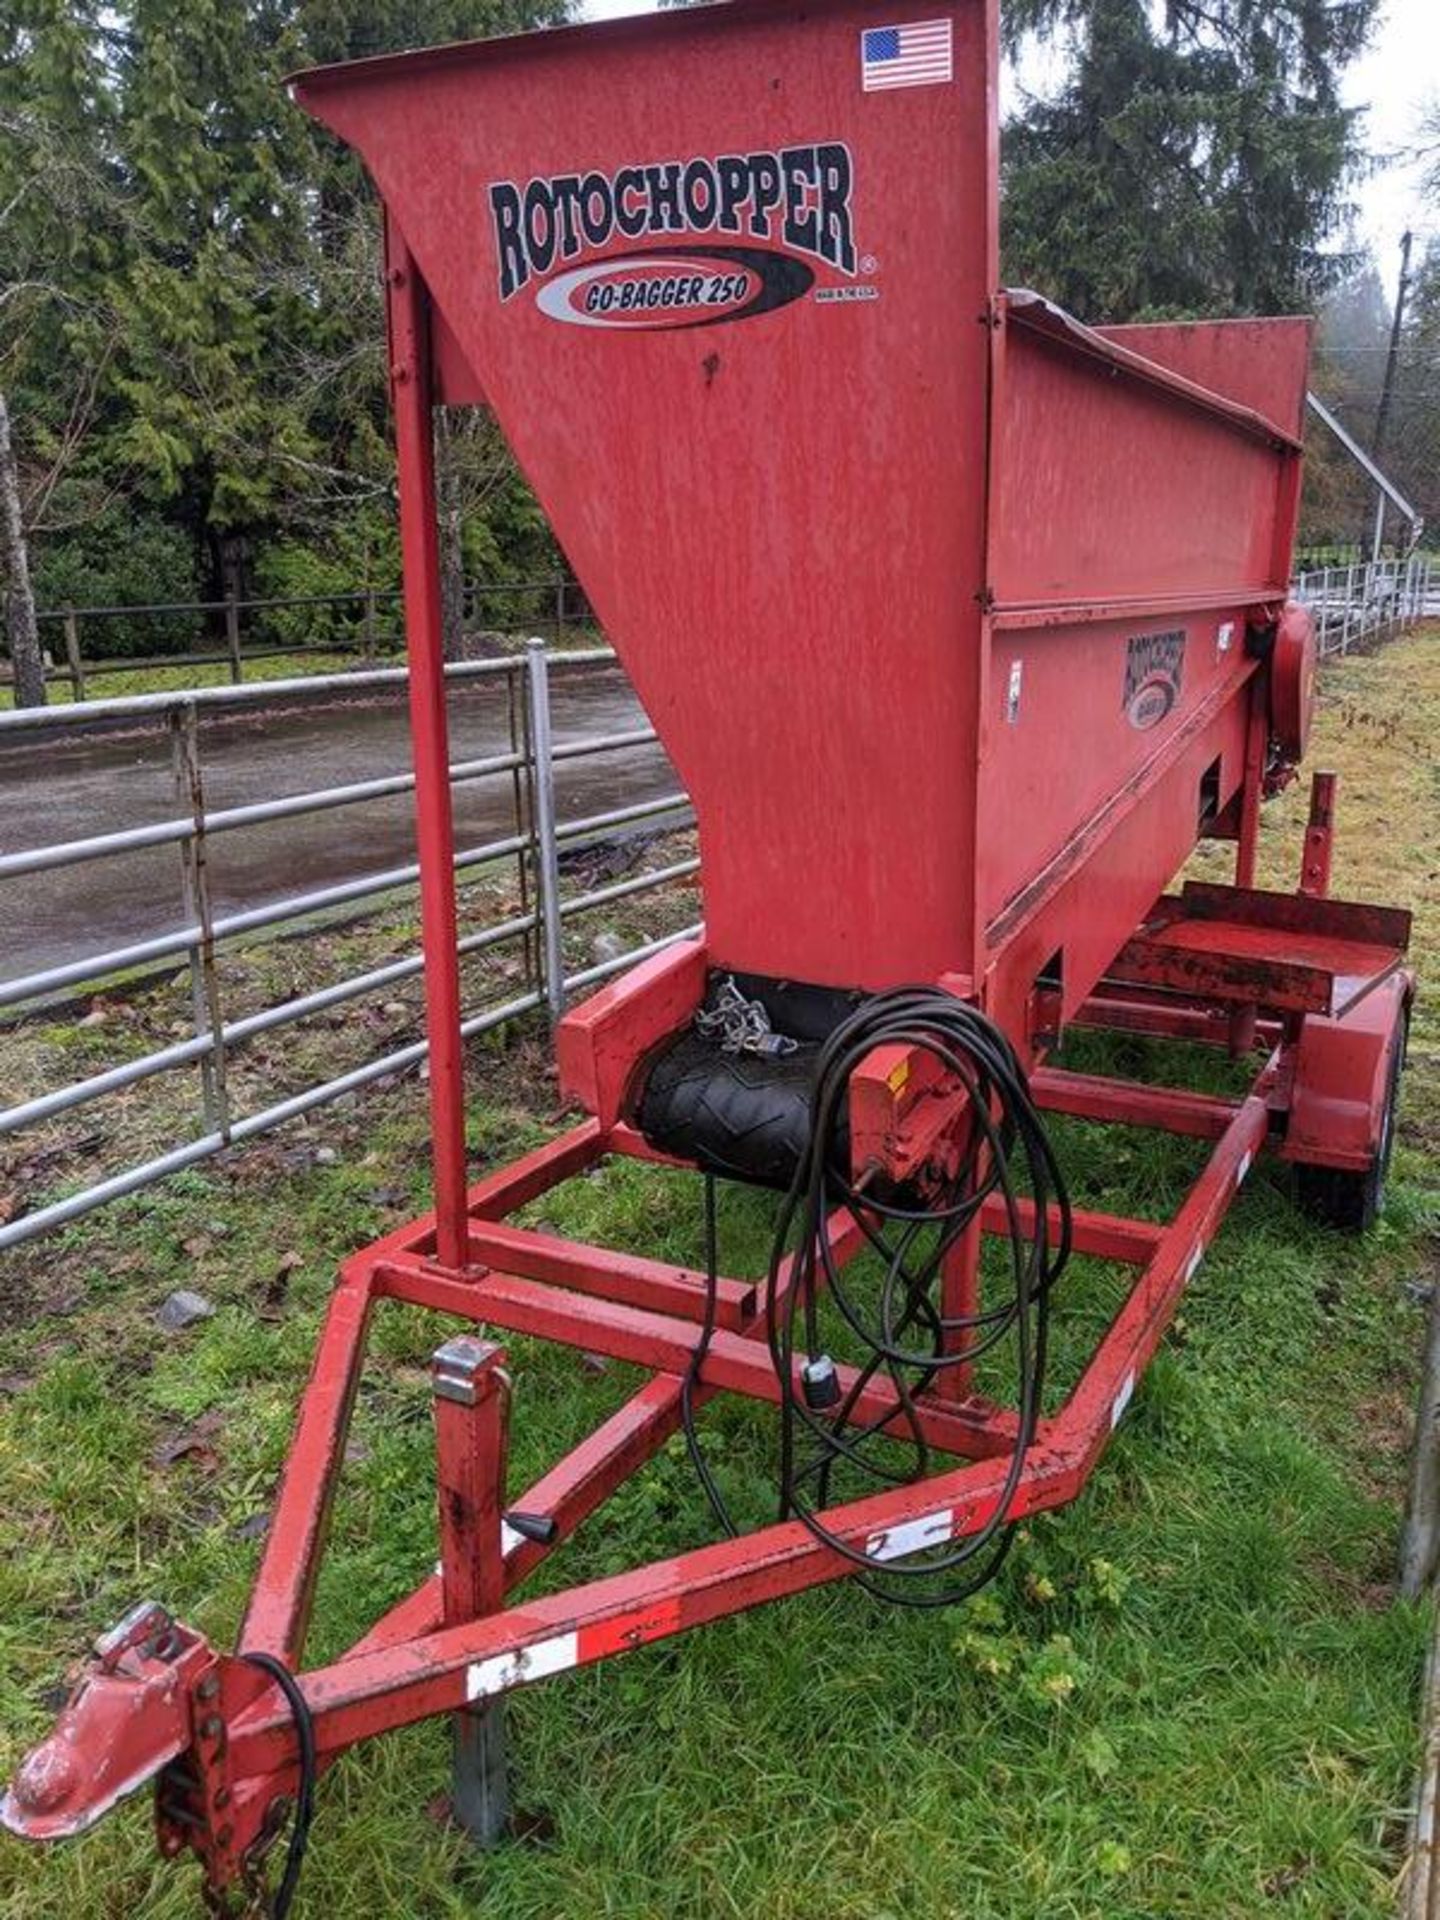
x,y
1192,1693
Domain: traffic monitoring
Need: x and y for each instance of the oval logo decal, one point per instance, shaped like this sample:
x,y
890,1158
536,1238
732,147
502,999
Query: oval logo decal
x,y
674,287
1150,703
1154,666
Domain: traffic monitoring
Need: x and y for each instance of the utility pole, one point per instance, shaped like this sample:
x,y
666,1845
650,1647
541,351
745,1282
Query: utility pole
x,y
1382,412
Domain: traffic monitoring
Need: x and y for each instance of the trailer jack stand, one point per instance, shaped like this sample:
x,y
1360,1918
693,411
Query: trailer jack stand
x,y
472,1416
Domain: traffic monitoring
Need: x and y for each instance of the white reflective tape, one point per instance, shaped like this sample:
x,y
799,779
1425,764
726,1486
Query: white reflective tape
x,y
1122,1399
1193,1262
1242,1169
505,1670
509,1540
1012,694
911,1536
1224,634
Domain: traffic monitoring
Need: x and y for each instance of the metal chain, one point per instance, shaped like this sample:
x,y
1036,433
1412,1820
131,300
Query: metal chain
x,y
256,1901
741,1025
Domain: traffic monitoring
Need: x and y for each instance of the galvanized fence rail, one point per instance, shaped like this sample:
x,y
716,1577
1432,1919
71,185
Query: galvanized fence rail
x,y
532,848
244,630
1351,605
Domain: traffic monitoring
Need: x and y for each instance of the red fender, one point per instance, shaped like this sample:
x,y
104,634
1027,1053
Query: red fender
x,y
599,1043
1292,681
1342,1077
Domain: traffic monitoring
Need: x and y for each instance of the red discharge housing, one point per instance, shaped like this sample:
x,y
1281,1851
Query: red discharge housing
x,y
961,623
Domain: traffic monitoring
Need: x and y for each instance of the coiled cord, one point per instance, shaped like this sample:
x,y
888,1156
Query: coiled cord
x,y
905,1335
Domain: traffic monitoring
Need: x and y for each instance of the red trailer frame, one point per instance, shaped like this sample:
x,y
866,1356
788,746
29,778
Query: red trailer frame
x,y
1209,417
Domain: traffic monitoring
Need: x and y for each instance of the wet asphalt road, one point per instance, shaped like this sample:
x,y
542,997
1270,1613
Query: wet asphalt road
x,y
59,788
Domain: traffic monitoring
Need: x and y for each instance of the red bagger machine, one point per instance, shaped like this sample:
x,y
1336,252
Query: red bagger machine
x,y
962,623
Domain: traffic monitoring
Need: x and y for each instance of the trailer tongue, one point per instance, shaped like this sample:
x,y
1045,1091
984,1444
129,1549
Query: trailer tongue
x,y
962,624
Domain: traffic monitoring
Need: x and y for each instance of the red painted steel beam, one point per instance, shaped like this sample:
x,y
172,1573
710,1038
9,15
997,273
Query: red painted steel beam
x,y
626,1277
408,312
1130,1103
1104,1389
623,1138
1319,836
472,1430
960,1299
1117,1009
279,1609
736,1363
356,1699
1257,745
524,1180
1107,1236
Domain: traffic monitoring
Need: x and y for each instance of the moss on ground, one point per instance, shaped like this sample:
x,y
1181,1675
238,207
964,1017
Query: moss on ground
x,y
1191,1694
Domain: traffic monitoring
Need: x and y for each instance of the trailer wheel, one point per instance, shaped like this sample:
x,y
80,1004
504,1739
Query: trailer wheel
x,y
1341,1197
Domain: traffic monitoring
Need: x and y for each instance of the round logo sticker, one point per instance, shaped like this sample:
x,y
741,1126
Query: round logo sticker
x,y
676,287
1150,703
1154,663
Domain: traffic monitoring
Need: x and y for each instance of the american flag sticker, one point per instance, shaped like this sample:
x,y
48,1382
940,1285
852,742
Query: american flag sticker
x,y
918,55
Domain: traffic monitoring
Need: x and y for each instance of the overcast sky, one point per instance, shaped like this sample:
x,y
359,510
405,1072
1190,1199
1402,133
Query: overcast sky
x,y
1392,82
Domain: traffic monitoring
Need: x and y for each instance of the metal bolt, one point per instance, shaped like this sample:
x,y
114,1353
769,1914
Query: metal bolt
x,y
212,1726
209,1686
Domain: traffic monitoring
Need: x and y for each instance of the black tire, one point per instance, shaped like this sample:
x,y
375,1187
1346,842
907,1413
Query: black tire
x,y
1349,1201
740,1115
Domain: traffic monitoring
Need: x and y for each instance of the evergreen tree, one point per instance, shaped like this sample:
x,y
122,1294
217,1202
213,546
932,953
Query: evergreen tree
x,y
193,265
60,236
211,149
1413,446
1195,161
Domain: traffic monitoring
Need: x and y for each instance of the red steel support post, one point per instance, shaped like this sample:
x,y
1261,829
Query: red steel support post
x,y
472,1408
1319,836
411,389
960,1299
1256,735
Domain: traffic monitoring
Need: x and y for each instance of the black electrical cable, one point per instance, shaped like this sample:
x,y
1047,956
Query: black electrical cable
x,y
697,1362
305,1793
912,1238
1005,1127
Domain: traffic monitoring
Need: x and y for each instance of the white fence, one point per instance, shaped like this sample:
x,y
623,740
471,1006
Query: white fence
x,y
1371,602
